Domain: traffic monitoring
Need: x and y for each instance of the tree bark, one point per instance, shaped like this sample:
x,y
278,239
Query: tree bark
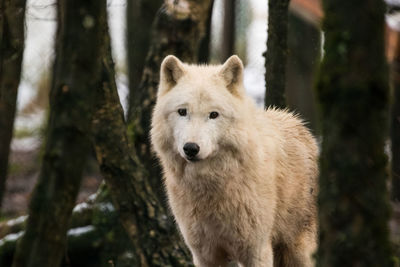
x,y
395,125
12,28
178,30
303,59
276,54
154,237
204,47
229,28
353,94
140,15
76,72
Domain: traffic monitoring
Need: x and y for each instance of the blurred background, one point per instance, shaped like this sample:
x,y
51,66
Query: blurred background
x,y
249,33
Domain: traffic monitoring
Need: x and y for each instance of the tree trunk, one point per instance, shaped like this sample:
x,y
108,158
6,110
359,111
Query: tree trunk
x,y
154,237
76,72
178,30
275,56
229,28
353,95
205,45
12,28
303,59
140,15
395,125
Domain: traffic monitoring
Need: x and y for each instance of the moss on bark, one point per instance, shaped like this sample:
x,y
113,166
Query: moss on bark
x,y
353,96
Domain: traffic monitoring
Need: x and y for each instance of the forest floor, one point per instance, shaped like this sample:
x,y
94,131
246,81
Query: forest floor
x,y
24,171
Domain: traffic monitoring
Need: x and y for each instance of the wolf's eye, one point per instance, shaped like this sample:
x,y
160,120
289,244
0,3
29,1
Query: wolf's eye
x,y
214,115
182,112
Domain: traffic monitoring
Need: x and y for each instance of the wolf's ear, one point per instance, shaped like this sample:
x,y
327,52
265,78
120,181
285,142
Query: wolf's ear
x,y
172,70
232,73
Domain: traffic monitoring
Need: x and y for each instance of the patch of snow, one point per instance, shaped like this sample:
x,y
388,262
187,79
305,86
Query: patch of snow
x,y
80,207
17,220
11,238
74,232
106,207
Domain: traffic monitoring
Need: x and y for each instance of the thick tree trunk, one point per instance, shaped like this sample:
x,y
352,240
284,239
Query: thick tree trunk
x,y
76,72
154,237
178,30
353,94
12,28
140,15
229,28
395,125
275,57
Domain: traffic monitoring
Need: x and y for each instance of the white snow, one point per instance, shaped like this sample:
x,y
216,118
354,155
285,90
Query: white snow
x,y
11,238
80,207
80,230
17,220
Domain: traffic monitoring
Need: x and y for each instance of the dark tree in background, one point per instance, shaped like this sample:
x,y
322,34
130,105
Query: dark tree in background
x,y
228,31
395,125
76,71
12,28
276,54
353,94
302,64
205,45
140,15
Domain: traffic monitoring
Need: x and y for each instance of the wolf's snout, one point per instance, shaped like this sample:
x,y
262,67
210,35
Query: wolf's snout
x,y
191,149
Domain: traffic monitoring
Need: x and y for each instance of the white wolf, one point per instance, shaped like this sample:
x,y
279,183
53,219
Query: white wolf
x,y
241,181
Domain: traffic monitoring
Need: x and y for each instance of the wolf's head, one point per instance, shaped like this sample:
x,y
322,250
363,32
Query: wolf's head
x,y
197,107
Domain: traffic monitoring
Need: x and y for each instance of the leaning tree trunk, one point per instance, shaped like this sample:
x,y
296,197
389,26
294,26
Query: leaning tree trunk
x,y
178,29
353,95
140,15
76,72
154,237
276,54
395,125
12,28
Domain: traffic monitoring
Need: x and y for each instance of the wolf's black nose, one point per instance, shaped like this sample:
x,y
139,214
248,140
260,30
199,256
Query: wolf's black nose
x,y
191,149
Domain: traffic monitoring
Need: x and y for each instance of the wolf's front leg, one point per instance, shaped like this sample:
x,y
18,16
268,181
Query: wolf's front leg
x,y
259,256
208,257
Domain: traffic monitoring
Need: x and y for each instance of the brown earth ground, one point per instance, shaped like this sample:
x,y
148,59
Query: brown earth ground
x,y
24,170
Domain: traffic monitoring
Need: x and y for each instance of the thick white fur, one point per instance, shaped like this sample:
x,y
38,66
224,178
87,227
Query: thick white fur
x,y
250,197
